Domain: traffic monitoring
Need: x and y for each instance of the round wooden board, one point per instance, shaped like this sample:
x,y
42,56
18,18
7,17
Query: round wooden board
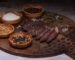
x,y
37,49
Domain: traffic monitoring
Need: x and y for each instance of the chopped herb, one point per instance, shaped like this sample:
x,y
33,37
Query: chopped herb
x,y
20,39
51,17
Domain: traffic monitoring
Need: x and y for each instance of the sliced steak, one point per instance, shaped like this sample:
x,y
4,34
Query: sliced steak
x,y
26,26
53,35
44,38
35,32
33,27
39,31
42,34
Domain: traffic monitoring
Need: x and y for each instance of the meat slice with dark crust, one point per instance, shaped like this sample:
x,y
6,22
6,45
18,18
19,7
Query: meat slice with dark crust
x,y
33,27
41,34
39,31
45,36
35,32
53,35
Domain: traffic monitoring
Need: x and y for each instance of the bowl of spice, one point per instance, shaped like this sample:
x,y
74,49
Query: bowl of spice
x,y
33,10
20,40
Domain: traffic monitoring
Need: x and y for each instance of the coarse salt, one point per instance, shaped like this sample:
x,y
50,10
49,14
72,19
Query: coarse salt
x,y
10,16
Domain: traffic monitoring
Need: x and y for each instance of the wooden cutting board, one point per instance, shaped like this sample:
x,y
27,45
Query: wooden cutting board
x,y
36,49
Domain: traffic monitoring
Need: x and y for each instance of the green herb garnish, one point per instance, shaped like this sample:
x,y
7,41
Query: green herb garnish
x,y
20,39
51,17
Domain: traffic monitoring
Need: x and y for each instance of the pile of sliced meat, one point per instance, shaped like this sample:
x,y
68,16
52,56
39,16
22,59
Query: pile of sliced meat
x,y
41,31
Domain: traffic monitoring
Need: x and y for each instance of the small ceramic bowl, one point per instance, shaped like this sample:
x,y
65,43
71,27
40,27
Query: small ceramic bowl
x,y
6,30
11,17
20,43
33,10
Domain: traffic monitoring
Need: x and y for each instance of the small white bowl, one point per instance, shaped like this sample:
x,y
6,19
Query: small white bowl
x,y
11,17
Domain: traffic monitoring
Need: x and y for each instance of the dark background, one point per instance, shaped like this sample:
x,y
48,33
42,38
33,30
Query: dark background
x,y
67,5
41,1
58,2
